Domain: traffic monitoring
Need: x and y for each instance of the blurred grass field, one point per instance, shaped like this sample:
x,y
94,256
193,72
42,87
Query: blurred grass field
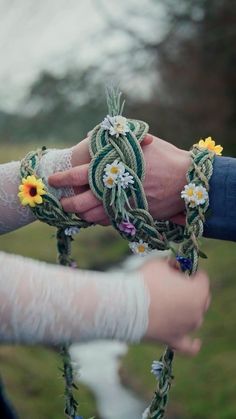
x,y
204,387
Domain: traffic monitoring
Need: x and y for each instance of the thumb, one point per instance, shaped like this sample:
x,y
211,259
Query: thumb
x,y
188,346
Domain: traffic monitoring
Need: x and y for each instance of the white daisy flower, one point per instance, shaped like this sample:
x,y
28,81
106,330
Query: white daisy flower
x,y
116,125
126,180
107,123
188,194
194,195
115,169
201,195
139,248
109,181
71,231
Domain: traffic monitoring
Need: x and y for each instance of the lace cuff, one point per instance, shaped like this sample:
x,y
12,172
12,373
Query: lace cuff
x,y
12,214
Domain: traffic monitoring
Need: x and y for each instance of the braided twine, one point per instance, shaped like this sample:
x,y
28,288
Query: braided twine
x,y
52,213
105,149
130,205
199,173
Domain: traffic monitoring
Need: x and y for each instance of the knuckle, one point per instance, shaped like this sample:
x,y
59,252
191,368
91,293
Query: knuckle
x,y
86,217
198,321
203,280
77,206
197,318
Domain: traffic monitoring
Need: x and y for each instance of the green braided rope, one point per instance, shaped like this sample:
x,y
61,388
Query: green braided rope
x,y
157,407
104,149
199,173
52,213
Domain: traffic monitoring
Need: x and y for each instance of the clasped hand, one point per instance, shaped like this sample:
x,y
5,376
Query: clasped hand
x,y
177,304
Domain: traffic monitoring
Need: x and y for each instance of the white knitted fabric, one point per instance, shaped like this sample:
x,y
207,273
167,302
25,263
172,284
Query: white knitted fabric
x,y
51,304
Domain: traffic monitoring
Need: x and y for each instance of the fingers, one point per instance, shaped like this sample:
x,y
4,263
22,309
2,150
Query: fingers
x,y
179,219
95,215
188,346
147,140
81,203
77,176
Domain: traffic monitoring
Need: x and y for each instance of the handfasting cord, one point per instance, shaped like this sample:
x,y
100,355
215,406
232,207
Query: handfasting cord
x,y
116,172
115,177
196,199
49,210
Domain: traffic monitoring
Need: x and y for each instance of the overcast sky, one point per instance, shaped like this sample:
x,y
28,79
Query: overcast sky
x,y
58,35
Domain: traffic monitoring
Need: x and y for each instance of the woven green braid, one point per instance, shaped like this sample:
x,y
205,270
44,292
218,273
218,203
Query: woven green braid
x,y
52,213
199,173
105,149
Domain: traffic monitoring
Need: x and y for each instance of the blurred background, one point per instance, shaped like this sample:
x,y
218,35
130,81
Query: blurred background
x,y
175,62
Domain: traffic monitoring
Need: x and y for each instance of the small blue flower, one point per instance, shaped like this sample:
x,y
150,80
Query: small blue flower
x,y
157,368
79,417
185,263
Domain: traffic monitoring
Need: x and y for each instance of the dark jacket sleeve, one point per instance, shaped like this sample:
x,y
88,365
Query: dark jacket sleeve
x,y
221,222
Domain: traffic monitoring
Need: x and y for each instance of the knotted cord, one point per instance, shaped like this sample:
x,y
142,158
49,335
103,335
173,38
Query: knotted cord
x,y
116,152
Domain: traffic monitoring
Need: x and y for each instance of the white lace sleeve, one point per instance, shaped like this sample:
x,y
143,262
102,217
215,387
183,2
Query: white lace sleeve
x,y
42,303
12,214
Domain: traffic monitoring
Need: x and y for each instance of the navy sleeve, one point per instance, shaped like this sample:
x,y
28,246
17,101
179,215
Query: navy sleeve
x,y
221,223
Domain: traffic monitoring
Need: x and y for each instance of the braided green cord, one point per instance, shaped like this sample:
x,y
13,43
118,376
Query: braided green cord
x,y
106,148
129,205
52,213
199,173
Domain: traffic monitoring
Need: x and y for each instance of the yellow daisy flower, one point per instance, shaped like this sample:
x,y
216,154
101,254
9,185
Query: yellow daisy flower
x,y
211,145
109,181
31,191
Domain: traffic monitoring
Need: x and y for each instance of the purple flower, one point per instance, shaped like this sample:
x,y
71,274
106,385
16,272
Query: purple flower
x,y
185,263
127,228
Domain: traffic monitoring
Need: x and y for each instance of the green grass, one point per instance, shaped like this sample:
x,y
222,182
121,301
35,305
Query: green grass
x,y
204,386
35,385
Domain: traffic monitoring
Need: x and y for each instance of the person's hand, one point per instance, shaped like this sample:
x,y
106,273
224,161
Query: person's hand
x,y
177,305
83,203
166,168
